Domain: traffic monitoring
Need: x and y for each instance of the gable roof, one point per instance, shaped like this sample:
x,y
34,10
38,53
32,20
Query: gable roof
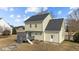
x,y
54,25
20,27
4,24
40,17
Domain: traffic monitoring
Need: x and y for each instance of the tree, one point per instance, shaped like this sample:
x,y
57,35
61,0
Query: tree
x,y
74,14
76,37
14,31
6,32
72,26
73,22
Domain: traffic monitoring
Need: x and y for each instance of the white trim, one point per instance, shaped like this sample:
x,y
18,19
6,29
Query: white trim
x,y
51,40
44,36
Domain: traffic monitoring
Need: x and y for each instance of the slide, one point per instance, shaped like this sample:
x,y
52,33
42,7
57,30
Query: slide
x,y
28,39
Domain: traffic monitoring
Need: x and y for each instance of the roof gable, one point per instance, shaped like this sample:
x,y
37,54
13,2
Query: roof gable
x,y
4,24
54,25
40,17
20,27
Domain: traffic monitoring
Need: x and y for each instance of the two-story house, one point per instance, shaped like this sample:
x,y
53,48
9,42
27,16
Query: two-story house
x,y
20,28
44,27
4,26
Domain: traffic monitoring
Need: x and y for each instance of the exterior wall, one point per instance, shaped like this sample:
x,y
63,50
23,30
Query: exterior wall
x,y
33,28
55,36
1,30
40,25
62,33
58,37
4,26
68,36
20,30
46,21
38,36
11,32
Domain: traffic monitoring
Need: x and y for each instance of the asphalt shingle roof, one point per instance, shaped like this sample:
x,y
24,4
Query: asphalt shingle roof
x,y
40,17
54,25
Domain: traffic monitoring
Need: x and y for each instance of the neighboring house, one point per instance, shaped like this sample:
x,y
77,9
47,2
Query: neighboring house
x,y
69,36
4,26
20,29
44,27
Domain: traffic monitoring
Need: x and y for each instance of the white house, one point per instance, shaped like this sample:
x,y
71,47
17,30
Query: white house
x,y
44,27
4,26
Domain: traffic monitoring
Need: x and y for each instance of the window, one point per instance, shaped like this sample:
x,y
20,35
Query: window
x,y
30,25
38,33
33,37
52,36
35,33
36,25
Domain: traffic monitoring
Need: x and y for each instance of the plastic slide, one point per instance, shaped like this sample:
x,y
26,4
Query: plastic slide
x,y
28,39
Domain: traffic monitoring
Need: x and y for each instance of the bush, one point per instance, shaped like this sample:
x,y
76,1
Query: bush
x,y
6,32
76,37
14,31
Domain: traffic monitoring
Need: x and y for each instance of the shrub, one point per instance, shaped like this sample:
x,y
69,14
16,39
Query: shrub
x,y
76,37
6,32
14,31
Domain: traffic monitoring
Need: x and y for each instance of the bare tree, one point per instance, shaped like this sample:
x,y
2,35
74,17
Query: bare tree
x,y
72,26
73,22
74,14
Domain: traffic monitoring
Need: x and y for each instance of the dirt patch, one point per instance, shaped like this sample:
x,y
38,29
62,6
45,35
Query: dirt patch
x,y
8,40
9,44
44,46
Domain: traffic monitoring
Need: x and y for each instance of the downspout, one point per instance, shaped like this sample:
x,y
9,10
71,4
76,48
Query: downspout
x,y
58,36
44,35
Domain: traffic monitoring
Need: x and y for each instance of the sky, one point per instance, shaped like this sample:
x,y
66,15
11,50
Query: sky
x,y
17,15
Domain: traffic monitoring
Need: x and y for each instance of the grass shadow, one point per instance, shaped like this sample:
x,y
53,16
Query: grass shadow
x,y
4,36
72,41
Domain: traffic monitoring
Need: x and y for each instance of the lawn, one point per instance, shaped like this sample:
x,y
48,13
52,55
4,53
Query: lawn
x,y
47,46
9,44
7,40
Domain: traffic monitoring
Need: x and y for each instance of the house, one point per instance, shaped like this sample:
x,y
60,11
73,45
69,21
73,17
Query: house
x,y
4,26
69,35
44,27
20,29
